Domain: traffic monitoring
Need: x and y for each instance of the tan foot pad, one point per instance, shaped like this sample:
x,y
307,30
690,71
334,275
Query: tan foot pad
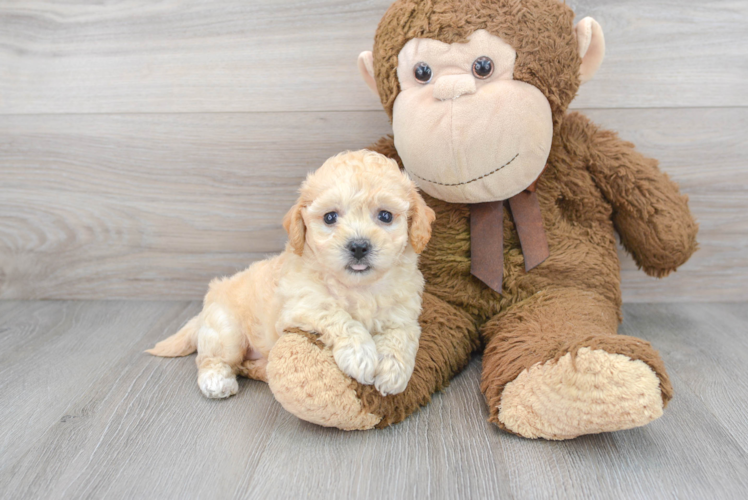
x,y
598,392
308,383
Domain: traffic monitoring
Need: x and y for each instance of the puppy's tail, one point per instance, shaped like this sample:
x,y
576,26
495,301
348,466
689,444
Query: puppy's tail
x,y
182,343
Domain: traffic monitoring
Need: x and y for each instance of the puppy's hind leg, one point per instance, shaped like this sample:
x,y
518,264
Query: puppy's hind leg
x,y
220,351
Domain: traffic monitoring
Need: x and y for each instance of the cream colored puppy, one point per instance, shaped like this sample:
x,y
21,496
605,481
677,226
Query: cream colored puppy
x,y
349,273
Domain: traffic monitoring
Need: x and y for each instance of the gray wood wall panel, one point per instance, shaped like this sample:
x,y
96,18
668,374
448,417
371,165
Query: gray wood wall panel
x,y
154,205
146,147
291,55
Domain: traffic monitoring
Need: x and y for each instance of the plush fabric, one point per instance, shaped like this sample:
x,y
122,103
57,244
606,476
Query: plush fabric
x,y
305,379
539,30
448,338
499,145
594,185
593,392
546,327
591,44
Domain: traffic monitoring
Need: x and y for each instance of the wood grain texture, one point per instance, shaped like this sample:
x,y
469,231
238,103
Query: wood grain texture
x,y
706,152
154,206
136,426
52,352
292,55
164,204
708,353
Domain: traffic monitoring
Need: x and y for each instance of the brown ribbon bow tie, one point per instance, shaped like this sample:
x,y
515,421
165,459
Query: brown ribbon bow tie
x,y
487,236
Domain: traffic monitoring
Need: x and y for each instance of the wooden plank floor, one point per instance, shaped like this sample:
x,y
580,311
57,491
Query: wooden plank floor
x,y
85,414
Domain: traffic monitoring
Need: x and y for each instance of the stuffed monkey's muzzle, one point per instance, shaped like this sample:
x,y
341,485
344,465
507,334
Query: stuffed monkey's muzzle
x,y
453,86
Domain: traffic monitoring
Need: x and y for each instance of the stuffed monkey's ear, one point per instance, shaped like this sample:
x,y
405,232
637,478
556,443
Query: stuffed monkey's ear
x,y
591,45
293,222
366,67
421,217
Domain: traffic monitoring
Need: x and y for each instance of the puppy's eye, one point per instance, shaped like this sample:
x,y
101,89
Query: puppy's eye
x,y
385,216
330,218
482,67
422,72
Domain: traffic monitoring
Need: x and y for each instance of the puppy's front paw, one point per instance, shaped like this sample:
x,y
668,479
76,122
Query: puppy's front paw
x,y
357,359
392,376
216,384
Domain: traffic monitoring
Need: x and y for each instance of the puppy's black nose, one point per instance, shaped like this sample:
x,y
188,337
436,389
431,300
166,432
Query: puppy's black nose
x,y
359,248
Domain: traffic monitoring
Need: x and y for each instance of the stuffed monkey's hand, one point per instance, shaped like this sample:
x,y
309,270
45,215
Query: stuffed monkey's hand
x,y
356,354
649,212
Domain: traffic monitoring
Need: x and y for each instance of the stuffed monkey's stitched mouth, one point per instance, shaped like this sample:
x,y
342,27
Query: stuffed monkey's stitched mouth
x,y
465,182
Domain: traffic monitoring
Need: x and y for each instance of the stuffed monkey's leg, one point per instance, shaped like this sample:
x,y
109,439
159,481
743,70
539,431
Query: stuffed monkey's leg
x,y
555,368
305,379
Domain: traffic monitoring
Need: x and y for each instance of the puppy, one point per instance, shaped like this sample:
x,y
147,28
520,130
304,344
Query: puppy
x,y
348,273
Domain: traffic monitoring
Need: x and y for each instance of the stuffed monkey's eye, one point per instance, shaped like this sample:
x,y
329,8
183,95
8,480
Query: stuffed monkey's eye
x,y
385,216
482,67
422,72
330,218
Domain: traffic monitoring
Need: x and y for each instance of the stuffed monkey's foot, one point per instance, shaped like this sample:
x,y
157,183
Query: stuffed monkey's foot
x,y
594,392
555,368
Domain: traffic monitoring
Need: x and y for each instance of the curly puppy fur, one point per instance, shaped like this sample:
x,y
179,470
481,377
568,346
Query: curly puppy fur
x,y
349,273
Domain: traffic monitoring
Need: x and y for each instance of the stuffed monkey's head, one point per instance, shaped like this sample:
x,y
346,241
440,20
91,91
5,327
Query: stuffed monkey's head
x,y
475,89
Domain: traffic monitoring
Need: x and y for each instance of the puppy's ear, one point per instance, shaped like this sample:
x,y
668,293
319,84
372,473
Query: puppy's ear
x,y
293,222
421,217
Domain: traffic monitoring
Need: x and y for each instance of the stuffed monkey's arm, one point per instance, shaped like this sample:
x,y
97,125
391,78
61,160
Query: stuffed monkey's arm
x,y
649,212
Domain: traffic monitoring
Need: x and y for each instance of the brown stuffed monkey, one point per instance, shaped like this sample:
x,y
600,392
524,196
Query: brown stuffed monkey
x,y
478,92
